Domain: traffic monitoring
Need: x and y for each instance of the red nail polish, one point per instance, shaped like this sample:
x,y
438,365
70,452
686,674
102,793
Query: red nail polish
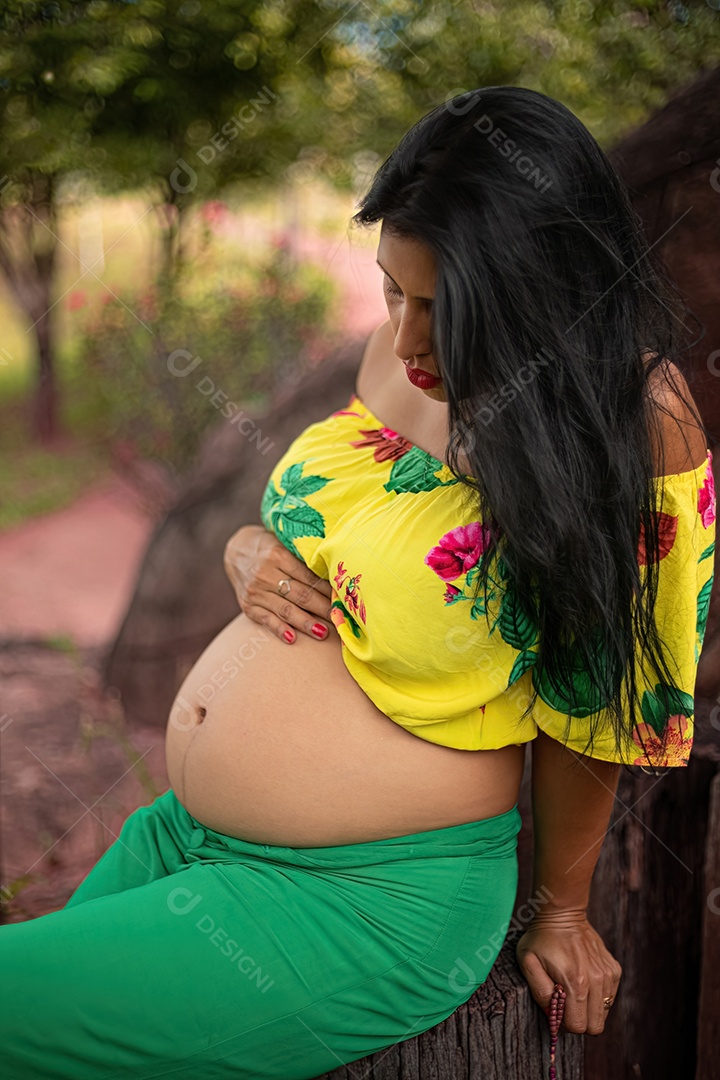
x,y
319,630
288,635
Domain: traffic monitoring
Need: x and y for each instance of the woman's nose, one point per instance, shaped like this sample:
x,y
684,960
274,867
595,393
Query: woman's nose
x,y
412,337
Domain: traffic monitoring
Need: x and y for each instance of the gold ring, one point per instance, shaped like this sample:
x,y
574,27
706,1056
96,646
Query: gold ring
x,y
283,581
607,1002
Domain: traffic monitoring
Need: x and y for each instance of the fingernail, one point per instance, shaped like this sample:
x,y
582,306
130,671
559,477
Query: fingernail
x,y
319,630
288,635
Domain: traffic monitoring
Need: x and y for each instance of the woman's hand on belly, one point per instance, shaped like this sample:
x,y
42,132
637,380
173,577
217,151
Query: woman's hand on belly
x,y
255,562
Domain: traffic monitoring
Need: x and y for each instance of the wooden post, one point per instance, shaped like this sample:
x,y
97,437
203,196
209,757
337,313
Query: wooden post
x,y
648,902
708,1059
499,1034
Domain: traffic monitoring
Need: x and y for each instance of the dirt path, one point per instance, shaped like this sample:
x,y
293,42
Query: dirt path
x,y
71,572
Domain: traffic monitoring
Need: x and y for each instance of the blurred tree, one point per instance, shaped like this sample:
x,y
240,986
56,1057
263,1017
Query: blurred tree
x,y
123,94
183,98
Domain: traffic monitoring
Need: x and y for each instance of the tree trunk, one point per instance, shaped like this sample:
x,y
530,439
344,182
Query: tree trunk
x,y
708,1060
651,903
499,1034
170,217
28,244
47,421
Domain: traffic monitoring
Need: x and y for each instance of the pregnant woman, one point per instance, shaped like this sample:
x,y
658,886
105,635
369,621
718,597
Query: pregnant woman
x,y
505,537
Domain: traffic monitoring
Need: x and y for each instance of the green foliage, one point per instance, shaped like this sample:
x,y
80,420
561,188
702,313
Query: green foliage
x,y
183,98
12,889
62,643
163,368
120,89
36,481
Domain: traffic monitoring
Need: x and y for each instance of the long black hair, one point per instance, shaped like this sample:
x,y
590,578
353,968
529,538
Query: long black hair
x,y
551,323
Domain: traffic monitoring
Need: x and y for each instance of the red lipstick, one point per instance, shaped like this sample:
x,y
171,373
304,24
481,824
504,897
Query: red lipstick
x,y
421,378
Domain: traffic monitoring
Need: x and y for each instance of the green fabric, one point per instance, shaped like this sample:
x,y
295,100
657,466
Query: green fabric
x,y
192,954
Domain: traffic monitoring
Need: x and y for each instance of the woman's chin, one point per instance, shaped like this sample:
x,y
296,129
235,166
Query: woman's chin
x,y
436,392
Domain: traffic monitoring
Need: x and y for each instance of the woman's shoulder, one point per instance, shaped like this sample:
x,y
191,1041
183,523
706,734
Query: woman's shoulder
x,y
377,347
679,443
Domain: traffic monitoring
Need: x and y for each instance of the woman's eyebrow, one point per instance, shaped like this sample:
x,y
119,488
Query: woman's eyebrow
x,y
428,298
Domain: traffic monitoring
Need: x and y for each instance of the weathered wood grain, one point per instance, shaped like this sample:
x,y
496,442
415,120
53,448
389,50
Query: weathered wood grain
x,y
499,1034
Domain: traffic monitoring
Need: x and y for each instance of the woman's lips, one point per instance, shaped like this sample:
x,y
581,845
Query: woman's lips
x,y
421,378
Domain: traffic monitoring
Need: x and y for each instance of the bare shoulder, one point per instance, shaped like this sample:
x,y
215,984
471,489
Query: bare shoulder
x,y
378,345
683,442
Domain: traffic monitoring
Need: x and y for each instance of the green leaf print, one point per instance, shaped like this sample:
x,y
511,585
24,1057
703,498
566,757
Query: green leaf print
x,y
523,662
516,628
703,607
710,550
585,694
354,624
294,482
415,472
478,609
270,496
288,515
656,712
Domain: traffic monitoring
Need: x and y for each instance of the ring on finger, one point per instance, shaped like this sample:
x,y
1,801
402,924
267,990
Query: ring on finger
x,y
280,589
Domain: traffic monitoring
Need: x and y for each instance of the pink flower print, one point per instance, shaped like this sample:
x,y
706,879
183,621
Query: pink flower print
x,y
451,593
353,599
458,551
352,605
389,446
672,749
341,575
706,496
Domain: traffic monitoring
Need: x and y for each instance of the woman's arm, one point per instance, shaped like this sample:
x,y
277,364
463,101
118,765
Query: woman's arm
x,y
572,800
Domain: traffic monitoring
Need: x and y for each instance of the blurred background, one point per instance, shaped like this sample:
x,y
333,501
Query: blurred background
x,y
176,184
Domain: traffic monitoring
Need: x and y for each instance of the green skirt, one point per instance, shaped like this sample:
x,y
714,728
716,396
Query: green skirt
x,y
189,954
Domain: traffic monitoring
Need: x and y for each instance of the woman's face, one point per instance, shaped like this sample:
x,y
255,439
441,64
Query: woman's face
x,y
409,287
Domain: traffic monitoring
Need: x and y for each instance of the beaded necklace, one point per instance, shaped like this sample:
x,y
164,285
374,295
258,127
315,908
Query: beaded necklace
x,y
555,1015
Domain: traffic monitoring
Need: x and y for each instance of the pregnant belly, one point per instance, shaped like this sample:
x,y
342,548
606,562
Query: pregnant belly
x,y
278,744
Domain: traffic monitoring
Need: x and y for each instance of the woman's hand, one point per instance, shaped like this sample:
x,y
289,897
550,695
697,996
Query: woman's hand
x,y
563,947
255,561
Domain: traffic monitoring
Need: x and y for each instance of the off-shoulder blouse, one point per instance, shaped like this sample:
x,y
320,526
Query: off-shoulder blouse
x,y
398,537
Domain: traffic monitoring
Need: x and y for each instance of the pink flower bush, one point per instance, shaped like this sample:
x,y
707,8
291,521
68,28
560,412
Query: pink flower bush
x,y
281,239
459,550
213,212
77,299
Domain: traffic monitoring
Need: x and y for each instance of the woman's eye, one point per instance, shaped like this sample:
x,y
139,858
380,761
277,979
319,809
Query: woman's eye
x,y
391,290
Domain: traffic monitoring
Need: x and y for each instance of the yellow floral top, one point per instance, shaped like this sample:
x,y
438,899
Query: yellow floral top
x,y
398,538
